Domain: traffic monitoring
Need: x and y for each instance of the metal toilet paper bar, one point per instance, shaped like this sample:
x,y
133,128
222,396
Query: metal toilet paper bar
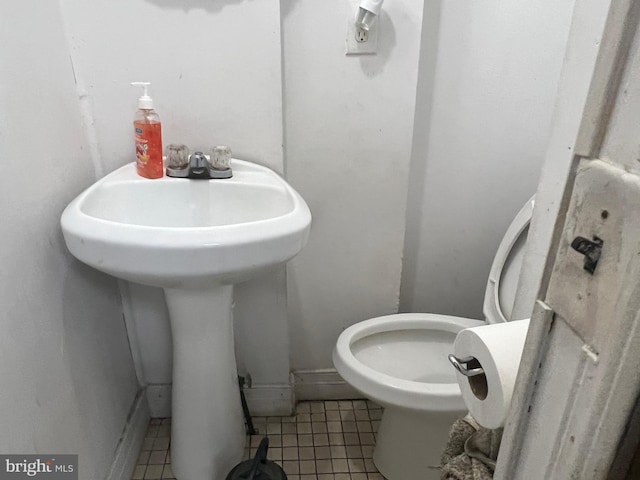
x,y
467,366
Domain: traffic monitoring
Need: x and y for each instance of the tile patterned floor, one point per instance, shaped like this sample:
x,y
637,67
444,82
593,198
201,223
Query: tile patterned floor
x,y
331,440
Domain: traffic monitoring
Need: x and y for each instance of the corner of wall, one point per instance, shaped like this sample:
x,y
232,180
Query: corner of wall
x,y
419,149
131,440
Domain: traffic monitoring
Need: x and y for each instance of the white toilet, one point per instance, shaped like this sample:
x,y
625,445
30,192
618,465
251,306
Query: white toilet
x,y
400,361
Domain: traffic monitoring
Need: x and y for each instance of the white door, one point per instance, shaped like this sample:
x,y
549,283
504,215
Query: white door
x,y
572,415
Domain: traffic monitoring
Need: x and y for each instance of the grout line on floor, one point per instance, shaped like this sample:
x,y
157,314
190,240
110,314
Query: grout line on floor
x,y
324,440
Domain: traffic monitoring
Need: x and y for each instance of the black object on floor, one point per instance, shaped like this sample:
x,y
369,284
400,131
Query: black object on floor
x,y
245,408
259,468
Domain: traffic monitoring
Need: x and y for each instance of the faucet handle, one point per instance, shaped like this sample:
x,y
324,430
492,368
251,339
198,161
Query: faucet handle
x,y
220,157
177,160
177,156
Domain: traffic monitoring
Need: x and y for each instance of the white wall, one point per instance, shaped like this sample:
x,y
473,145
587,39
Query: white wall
x,y
348,125
214,68
479,143
67,377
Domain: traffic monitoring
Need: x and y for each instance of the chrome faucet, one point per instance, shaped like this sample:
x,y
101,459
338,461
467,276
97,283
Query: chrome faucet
x,y
199,165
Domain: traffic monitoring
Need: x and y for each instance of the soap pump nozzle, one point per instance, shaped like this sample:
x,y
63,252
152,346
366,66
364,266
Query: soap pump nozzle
x,y
145,102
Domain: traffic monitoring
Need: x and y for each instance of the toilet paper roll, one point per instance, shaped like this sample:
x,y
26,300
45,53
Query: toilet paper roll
x,y
498,349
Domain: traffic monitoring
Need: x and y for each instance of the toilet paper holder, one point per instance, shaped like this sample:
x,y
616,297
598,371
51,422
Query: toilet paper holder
x,y
467,366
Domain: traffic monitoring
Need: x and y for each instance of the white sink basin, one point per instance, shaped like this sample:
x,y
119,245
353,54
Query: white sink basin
x,y
174,232
193,238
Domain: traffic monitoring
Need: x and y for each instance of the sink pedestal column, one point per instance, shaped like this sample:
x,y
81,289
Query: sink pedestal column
x,y
207,431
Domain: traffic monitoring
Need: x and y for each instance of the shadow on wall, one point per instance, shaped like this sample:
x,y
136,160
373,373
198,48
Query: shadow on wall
x,y
211,6
429,44
96,350
287,6
373,65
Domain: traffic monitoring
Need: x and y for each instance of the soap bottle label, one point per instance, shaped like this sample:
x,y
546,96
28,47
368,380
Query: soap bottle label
x,y
148,149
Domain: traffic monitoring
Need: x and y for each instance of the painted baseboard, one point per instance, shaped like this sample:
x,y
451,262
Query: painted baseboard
x,y
269,400
159,400
325,384
131,441
263,400
266,400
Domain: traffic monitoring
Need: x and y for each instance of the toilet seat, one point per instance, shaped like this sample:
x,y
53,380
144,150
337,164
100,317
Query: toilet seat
x,y
381,357
500,294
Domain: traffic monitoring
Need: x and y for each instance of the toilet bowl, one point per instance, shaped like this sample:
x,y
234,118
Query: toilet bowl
x,y
400,361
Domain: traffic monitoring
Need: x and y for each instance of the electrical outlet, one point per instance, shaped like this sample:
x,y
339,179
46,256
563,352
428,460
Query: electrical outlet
x,y
362,36
359,41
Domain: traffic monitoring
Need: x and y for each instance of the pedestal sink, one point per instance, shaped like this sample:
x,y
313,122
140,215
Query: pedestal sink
x,y
195,239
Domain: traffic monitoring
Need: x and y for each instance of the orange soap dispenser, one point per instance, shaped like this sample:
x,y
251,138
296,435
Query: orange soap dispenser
x,y
148,135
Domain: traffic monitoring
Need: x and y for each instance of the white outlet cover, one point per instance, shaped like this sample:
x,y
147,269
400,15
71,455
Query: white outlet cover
x,y
353,47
